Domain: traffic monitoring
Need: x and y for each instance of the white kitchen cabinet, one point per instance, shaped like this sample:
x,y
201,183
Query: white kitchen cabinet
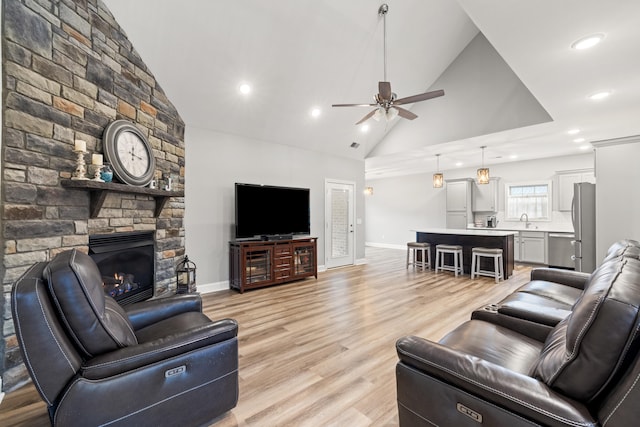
x,y
516,247
533,247
485,196
459,193
565,186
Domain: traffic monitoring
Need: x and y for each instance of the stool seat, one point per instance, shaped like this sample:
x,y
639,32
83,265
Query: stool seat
x,y
456,251
425,255
496,254
443,247
490,251
418,245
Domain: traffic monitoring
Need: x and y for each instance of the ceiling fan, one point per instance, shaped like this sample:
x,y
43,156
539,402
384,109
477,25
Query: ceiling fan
x,y
386,101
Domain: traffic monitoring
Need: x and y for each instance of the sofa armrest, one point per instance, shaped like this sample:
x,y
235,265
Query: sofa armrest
x,y
145,313
526,327
136,356
511,390
536,313
575,279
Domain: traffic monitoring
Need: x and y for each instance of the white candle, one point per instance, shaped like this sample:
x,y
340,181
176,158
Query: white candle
x,y
80,145
96,159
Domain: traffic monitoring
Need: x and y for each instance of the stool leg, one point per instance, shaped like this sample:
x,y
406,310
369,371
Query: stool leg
x,y
429,258
496,268
437,259
455,263
473,264
501,264
408,250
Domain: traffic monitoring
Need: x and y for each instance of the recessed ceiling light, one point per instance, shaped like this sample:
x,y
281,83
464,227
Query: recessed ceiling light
x,y
364,128
315,112
573,131
513,156
600,95
577,140
459,164
585,147
587,42
244,88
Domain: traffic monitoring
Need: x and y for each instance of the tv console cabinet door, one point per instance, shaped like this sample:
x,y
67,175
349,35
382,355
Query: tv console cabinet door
x,y
258,269
304,259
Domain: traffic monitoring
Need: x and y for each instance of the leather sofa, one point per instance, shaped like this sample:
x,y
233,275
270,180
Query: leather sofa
x,y
499,369
156,362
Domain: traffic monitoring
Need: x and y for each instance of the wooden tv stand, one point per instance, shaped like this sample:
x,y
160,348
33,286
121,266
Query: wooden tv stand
x,y
256,264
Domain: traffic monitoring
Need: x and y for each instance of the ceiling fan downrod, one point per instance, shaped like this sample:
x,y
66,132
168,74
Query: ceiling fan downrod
x,y
382,10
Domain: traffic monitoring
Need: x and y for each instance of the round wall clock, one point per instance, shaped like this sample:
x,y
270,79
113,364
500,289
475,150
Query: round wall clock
x,y
129,153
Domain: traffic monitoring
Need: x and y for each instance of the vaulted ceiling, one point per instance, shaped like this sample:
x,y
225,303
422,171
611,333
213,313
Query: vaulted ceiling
x,y
512,81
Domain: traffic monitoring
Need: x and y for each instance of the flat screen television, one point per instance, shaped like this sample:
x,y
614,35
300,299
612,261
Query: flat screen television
x,y
266,210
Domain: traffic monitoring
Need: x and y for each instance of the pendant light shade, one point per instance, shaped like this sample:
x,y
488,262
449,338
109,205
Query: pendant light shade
x,y
438,178
483,173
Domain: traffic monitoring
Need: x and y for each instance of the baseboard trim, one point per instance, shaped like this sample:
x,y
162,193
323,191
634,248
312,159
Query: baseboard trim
x,y
208,288
386,246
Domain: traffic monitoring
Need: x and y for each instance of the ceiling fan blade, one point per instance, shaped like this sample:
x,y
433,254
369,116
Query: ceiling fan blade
x,y
367,117
384,89
405,114
417,98
354,105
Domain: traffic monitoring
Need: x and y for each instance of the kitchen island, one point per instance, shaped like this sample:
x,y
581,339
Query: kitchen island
x,y
469,239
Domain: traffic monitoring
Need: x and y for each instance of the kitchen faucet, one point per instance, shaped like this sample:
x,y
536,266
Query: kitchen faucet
x,y
526,220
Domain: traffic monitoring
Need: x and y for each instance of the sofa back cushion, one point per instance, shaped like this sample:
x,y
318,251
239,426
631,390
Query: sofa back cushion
x,y
585,350
623,248
94,320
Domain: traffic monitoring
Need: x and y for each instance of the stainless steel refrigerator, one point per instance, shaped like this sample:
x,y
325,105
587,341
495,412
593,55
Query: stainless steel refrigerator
x,y
583,215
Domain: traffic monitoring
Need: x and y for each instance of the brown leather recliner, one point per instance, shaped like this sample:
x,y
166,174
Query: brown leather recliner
x,y
157,362
585,373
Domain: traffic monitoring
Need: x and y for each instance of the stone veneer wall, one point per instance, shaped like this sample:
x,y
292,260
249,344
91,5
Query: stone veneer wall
x,y
68,71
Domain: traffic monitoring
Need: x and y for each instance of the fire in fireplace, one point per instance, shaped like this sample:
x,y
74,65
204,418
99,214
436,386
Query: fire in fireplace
x,y
126,263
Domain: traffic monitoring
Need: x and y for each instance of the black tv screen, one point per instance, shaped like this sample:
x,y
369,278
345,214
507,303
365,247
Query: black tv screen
x,y
264,210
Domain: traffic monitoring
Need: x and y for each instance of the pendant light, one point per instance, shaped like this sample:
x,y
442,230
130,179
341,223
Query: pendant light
x,y
483,173
438,178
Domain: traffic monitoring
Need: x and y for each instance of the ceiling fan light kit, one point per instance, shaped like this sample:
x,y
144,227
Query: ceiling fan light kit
x,y
438,178
387,104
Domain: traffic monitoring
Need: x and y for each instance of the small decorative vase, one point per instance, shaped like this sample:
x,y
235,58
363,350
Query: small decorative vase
x,y
106,174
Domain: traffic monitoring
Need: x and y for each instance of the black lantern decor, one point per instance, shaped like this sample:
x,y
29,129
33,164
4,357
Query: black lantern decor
x,y
186,276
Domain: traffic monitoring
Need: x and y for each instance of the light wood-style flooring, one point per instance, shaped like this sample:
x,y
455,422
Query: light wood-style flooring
x,y
322,352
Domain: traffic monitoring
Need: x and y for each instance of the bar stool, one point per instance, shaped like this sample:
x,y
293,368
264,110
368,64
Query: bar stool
x,y
496,254
456,250
425,255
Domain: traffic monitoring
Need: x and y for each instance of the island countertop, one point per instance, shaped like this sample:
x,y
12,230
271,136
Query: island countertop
x,y
467,232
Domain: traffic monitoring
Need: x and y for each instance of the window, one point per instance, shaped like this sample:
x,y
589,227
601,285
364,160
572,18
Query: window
x,y
533,198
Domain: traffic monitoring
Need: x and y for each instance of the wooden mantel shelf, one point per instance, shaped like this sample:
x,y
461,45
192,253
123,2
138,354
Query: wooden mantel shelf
x,y
99,191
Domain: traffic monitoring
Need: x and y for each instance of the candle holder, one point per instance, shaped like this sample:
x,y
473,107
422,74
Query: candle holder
x,y
96,173
81,167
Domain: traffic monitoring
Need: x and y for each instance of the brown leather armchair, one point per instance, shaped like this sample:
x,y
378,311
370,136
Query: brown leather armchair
x,y
584,373
157,362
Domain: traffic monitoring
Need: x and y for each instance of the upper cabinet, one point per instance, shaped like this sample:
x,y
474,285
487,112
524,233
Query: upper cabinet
x,y
566,179
459,194
485,196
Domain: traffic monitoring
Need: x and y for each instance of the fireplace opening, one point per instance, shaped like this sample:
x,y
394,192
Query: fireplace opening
x,y
126,263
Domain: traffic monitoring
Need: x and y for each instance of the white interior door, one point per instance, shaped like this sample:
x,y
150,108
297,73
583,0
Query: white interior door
x,y
340,220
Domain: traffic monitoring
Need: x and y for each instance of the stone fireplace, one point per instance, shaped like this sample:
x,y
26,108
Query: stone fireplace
x,y
68,71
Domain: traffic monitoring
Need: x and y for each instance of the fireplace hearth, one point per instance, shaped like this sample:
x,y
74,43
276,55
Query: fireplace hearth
x,y
126,263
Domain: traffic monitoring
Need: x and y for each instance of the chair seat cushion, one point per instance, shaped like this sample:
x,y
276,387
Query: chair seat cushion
x,y
418,245
443,247
495,344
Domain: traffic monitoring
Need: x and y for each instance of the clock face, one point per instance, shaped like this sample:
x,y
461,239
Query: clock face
x,y
132,153
129,153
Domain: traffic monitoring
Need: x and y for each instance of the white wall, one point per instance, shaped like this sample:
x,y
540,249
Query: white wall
x,y
216,161
400,204
617,192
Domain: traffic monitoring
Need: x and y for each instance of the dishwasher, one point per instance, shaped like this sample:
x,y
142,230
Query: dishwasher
x,y
560,250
